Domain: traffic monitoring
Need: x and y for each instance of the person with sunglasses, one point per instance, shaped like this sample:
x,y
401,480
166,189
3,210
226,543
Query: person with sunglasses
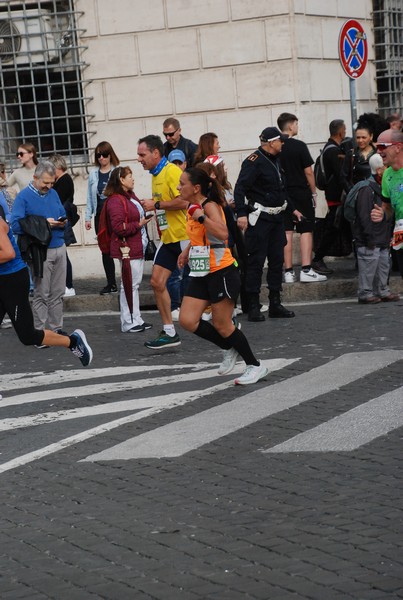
x,y
106,160
28,159
172,132
390,147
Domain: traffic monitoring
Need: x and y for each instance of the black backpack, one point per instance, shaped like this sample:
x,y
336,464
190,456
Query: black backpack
x,y
321,179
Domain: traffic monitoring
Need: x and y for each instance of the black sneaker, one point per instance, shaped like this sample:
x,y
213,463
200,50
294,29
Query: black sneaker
x,y
81,347
108,289
321,267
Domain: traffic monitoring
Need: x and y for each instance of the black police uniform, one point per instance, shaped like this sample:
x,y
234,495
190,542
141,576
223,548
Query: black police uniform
x,y
261,180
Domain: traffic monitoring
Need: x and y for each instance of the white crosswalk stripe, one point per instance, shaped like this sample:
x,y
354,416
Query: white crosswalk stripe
x,y
143,407
348,431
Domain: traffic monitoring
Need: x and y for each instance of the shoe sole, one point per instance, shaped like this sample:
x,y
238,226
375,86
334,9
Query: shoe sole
x,y
171,345
262,376
83,337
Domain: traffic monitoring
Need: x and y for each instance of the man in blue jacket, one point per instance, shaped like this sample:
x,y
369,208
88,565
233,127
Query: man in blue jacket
x,y
38,198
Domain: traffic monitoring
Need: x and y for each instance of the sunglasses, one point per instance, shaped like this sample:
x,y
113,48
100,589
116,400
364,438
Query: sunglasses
x,y
21,153
103,154
381,146
167,135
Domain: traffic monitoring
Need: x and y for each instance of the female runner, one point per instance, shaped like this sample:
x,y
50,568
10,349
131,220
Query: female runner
x,y
214,279
14,300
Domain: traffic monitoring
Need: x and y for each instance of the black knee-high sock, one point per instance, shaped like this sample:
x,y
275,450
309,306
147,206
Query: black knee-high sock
x,y
238,341
206,331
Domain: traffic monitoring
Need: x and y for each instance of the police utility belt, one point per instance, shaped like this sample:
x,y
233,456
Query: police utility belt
x,y
269,210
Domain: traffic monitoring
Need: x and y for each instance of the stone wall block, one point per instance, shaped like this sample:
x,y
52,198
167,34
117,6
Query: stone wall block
x,y
308,37
130,16
239,130
136,97
188,13
122,59
239,43
278,38
258,8
204,90
261,85
166,51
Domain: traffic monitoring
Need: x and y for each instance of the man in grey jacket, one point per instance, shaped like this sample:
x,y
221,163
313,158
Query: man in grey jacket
x,y
372,241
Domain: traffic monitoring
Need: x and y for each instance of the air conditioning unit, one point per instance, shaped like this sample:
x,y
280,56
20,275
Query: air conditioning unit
x,y
27,38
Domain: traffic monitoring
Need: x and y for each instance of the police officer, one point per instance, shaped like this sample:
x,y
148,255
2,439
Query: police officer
x,y
261,199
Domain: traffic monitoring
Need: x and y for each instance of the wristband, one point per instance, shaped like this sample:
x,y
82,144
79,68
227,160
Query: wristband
x,y
192,208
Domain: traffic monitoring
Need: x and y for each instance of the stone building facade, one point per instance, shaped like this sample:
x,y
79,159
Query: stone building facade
x,y
226,66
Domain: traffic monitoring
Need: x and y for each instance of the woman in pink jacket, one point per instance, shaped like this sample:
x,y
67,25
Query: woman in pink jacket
x,y
127,222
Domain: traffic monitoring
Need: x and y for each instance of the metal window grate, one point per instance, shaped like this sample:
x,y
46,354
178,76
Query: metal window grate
x,y
388,29
42,96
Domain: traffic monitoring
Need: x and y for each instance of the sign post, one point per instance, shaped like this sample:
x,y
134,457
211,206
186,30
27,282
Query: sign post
x,y
353,54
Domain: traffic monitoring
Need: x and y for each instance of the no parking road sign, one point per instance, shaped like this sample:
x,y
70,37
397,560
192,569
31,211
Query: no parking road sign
x,y
353,48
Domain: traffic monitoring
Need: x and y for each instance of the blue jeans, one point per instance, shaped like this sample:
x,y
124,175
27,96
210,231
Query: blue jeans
x,y
176,286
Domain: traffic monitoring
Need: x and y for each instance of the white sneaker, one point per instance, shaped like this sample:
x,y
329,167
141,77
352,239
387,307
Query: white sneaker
x,y
69,292
207,316
175,314
252,374
311,276
264,307
6,323
237,311
228,363
290,277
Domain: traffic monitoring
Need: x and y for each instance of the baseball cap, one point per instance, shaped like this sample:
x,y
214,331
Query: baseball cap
x,y
272,133
214,159
176,155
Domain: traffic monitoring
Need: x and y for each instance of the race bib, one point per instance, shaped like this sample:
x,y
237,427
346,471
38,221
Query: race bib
x,y
162,219
397,240
199,261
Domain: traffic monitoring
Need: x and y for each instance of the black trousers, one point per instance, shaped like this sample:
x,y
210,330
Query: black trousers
x,y
14,301
107,260
264,240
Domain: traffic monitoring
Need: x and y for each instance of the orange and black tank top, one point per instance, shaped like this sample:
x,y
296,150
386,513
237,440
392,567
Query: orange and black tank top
x,y
220,254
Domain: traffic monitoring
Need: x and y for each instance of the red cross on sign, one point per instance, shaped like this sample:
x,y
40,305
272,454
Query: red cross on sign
x,y
353,48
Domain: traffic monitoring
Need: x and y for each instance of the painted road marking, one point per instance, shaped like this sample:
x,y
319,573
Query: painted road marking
x,y
174,399
15,381
185,435
352,429
108,388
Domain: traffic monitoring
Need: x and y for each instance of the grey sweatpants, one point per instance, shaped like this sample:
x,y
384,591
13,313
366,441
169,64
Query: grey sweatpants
x,y
373,272
47,303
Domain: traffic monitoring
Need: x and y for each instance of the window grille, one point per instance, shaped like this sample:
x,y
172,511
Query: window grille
x,y
42,96
388,28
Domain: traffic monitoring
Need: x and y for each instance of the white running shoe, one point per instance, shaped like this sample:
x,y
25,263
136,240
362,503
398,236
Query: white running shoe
x,y
252,374
6,323
175,314
290,277
228,363
69,292
311,276
264,307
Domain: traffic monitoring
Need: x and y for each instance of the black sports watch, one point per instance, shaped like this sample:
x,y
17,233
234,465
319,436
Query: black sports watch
x,y
157,205
201,219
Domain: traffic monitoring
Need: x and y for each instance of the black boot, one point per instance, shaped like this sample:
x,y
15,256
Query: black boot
x,y
276,309
254,313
